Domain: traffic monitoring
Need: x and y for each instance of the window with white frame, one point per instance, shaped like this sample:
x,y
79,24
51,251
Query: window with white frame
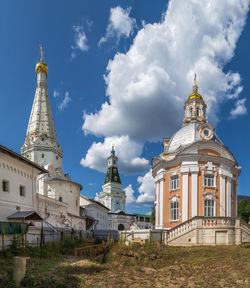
x,y
209,180
174,211
174,182
209,209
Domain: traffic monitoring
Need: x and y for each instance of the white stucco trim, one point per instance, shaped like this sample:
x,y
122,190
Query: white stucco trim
x,y
229,197
184,213
194,202
161,202
157,204
222,196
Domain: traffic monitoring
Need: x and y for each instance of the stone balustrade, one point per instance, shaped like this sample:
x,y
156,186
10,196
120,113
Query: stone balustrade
x,y
198,230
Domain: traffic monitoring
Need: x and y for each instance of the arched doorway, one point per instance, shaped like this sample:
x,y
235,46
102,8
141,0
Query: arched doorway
x,y
120,227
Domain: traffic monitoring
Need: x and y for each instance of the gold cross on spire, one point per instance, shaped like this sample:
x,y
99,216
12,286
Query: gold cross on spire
x,y
195,87
41,48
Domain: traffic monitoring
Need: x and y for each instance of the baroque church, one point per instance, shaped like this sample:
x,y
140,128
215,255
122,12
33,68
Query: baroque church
x,y
196,174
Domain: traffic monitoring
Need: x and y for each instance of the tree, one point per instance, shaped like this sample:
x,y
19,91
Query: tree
x,y
244,209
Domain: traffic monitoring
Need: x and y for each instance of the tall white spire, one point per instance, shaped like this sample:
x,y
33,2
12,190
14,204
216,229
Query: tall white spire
x,y
41,144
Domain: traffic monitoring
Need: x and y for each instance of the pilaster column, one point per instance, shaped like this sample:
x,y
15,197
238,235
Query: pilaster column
x,y
161,190
222,196
184,213
229,197
194,201
156,204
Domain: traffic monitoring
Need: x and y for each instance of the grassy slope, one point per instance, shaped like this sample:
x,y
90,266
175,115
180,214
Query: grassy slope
x,y
145,266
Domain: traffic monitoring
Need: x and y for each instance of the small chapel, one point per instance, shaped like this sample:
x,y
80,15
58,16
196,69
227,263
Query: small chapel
x,y
196,174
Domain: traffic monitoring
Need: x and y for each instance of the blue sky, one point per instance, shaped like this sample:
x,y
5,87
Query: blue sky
x,y
148,58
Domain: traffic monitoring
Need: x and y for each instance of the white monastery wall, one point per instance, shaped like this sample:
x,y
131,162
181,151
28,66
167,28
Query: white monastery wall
x,y
16,173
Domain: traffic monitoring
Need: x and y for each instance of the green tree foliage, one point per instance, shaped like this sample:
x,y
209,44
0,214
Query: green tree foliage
x,y
244,209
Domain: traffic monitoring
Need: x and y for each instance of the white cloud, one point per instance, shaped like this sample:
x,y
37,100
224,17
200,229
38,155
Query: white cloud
x,y
239,109
65,101
146,189
80,40
56,94
126,150
130,194
120,24
148,85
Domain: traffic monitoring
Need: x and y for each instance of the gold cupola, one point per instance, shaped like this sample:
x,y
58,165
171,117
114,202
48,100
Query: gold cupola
x,y
195,93
195,107
41,66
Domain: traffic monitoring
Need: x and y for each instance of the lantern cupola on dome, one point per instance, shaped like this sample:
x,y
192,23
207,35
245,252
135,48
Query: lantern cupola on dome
x,y
195,107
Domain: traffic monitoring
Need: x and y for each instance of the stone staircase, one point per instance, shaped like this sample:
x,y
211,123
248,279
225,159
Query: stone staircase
x,y
208,231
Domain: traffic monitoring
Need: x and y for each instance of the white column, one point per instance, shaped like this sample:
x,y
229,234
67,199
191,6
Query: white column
x,y
161,202
156,204
222,196
194,202
229,197
184,172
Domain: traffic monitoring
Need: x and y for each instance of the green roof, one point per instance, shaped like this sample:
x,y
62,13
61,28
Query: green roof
x,y
112,176
143,215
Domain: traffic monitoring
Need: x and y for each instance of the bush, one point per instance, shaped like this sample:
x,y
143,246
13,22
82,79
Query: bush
x,y
244,209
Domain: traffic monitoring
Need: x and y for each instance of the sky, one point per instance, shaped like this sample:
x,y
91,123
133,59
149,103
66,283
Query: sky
x,y
119,73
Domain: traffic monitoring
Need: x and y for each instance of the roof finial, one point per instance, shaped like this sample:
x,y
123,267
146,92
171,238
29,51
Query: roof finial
x,y
113,149
41,48
195,87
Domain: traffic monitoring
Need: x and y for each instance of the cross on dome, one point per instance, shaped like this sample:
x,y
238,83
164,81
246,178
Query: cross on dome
x,y
195,93
41,66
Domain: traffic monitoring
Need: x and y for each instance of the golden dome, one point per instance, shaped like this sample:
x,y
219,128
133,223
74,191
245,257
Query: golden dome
x,y
195,93
41,66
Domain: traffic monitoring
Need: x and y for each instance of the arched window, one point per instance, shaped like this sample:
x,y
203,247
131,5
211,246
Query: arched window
x,y
121,227
197,111
191,111
174,211
209,209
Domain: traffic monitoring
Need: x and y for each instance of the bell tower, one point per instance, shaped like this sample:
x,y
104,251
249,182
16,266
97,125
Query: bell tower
x,y
113,196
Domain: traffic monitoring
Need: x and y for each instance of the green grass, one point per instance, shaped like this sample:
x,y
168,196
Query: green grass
x,y
151,265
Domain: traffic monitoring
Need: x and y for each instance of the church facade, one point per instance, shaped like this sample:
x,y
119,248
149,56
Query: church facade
x,y
196,174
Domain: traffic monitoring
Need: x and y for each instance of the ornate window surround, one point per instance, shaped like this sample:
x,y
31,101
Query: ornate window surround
x,y
210,196
174,182
174,209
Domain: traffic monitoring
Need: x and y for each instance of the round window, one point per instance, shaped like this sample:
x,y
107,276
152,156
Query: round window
x,y
206,132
